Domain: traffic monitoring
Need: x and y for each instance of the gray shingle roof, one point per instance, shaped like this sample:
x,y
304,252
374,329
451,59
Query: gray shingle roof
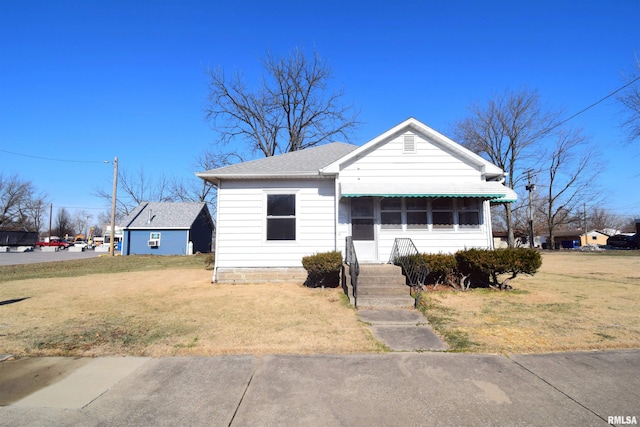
x,y
303,162
164,215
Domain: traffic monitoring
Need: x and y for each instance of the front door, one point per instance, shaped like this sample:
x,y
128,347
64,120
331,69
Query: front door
x,y
363,229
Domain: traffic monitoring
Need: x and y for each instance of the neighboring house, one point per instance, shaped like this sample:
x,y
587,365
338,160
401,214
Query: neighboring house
x,y
594,238
168,229
411,181
501,240
567,239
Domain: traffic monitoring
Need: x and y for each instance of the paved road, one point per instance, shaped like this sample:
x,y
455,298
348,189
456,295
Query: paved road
x,y
13,258
393,389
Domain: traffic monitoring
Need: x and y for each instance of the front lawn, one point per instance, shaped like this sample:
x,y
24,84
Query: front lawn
x,y
165,306
577,301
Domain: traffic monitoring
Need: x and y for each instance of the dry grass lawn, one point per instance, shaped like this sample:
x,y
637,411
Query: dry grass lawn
x,y
577,301
174,312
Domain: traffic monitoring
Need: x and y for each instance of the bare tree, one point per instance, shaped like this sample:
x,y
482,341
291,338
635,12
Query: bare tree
x,y
292,109
81,222
630,100
199,190
20,206
570,182
629,226
35,210
601,219
137,188
507,131
63,224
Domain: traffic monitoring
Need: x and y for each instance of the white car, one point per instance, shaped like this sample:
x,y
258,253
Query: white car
x,y
80,244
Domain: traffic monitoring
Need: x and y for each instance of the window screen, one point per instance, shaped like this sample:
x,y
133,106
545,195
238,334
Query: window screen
x,y
391,213
281,217
442,211
468,213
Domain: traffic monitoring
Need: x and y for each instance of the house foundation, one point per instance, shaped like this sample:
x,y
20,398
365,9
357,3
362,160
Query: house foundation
x,y
261,275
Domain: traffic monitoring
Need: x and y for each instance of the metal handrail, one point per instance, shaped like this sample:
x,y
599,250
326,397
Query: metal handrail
x,y
351,259
415,269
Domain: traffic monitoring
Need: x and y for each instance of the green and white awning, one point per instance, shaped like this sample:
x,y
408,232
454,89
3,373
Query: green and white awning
x,y
493,191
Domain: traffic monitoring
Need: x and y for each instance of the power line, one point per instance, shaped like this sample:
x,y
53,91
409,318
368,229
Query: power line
x,y
81,207
592,105
55,160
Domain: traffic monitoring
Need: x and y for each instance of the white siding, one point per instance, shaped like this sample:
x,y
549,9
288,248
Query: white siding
x,y
390,162
241,237
430,161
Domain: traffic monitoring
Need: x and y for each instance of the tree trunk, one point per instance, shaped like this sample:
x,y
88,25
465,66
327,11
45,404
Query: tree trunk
x,y
511,240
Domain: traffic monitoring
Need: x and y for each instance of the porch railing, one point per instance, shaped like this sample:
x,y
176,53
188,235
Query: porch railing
x,y
351,259
415,269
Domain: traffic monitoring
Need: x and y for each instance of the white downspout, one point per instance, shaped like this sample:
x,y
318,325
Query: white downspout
x,y
336,207
215,254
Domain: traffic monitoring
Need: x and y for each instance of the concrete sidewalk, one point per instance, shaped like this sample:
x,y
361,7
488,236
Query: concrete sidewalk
x,y
569,389
402,329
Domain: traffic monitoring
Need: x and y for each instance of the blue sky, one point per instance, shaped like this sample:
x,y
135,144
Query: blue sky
x,y
85,81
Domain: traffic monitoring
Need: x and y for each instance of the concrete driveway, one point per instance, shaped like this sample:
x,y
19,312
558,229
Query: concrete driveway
x,y
394,389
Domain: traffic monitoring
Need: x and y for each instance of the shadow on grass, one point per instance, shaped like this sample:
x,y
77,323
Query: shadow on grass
x,y
12,301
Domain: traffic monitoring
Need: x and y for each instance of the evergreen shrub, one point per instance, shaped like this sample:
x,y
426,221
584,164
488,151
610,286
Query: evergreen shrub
x,y
323,269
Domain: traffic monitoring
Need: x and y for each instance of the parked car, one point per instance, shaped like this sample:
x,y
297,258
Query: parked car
x,y
623,241
80,244
60,243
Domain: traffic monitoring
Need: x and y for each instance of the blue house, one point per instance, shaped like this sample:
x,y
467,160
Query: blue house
x,y
164,228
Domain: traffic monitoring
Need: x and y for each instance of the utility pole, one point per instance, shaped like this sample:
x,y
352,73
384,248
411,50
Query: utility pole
x,y
586,241
530,188
113,206
50,219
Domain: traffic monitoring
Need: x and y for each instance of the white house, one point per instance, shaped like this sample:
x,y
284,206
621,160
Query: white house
x,y
411,181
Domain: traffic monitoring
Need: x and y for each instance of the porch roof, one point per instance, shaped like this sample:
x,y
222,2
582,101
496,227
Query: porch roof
x,y
494,191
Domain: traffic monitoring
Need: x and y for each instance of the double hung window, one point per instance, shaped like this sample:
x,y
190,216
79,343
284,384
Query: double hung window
x,y
281,217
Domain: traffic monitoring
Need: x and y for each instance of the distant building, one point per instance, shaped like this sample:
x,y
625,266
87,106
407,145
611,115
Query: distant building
x,y
168,229
594,237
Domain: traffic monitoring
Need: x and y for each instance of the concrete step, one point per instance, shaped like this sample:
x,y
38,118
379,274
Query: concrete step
x,y
366,301
380,270
382,292
383,286
383,281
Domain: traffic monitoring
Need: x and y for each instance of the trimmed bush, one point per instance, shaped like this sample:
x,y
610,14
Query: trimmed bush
x,y
481,267
442,268
323,269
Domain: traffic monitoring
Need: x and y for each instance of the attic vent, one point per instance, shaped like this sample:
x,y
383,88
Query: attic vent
x,y
409,143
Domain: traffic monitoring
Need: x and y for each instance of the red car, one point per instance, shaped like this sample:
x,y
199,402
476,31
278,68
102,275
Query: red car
x,y
63,244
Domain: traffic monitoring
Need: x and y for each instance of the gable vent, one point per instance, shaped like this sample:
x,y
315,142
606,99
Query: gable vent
x,y
409,143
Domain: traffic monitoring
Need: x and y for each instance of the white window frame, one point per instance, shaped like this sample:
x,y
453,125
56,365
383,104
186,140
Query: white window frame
x,y
459,210
399,211
266,218
426,211
452,210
